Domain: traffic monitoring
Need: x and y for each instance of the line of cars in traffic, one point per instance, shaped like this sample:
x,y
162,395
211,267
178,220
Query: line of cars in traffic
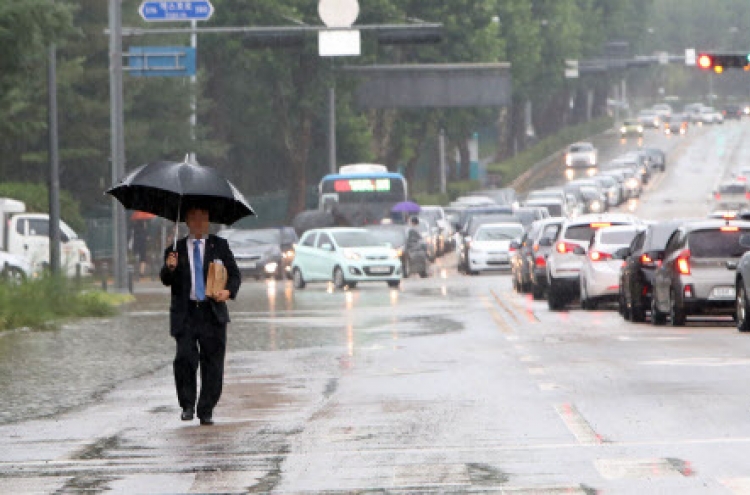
x,y
663,271
343,255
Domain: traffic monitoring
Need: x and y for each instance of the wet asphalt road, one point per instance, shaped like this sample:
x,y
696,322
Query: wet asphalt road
x,y
451,384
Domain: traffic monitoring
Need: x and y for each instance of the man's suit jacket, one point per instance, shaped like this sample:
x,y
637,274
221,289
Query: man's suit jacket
x,y
181,281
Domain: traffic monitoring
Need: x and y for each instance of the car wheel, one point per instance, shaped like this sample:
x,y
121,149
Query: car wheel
x,y
555,296
297,279
743,324
676,310
537,292
637,311
582,294
338,278
394,284
586,302
657,317
423,273
514,282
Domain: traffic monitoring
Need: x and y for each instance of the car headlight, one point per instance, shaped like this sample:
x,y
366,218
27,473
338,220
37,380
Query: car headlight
x,y
623,130
271,267
592,159
568,160
288,254
640,128
394,253
596,205
351,255
632,182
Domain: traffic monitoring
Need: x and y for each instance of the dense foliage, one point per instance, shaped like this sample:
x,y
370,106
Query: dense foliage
x,y
262,107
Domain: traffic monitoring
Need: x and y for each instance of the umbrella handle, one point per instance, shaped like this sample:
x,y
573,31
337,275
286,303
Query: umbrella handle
x,y
176,225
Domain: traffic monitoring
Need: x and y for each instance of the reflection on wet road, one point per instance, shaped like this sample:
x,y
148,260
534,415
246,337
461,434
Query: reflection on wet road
x,y
451,384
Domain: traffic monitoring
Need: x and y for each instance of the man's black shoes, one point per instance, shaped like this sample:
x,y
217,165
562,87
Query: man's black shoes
x,y
207,420
187,414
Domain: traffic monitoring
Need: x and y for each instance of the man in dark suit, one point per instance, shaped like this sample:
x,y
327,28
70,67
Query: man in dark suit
x,y
198,323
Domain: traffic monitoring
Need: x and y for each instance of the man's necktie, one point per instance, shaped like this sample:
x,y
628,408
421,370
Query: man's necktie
x,y
200,289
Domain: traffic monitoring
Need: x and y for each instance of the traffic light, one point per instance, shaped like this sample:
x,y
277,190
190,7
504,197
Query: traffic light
x,y
720,61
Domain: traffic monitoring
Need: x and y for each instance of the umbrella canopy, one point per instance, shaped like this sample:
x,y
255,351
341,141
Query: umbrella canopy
x,y
169,189
406,207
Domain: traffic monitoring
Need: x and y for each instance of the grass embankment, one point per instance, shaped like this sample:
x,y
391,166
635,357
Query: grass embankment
x,y
43,303
512,168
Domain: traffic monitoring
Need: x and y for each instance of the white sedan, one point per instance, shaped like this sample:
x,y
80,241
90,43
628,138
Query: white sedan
x,y
600,271
490,246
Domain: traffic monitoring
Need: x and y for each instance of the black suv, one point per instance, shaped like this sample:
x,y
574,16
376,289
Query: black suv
x,y
637,273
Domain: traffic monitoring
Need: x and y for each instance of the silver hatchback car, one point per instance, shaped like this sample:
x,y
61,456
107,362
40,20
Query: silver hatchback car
x,y
697,274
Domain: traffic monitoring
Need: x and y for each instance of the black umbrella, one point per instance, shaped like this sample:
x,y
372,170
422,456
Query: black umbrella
x,y
169,189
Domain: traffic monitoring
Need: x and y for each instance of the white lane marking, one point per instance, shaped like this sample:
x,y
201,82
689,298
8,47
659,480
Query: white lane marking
x,y
537,371
615,469
577,424
547,387
628,338
699,361
529,359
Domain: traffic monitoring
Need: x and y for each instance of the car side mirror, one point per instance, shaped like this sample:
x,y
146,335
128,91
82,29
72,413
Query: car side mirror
x,y
515,245
545,242
579,251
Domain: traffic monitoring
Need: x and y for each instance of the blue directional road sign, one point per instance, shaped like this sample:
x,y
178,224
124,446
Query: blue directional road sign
x,y
164,61
186,10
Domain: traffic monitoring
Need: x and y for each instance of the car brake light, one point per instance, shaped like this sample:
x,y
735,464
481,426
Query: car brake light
x,y
687,292
540,261
599,256
730,228
683,262
511,249
717,196
747,195
600,225
565,247
649,262
729,215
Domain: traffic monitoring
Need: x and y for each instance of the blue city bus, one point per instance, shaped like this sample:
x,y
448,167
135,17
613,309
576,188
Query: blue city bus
x,y
361,194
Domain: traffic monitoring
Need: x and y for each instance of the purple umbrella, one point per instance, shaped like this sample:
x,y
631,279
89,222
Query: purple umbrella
x,y
406,207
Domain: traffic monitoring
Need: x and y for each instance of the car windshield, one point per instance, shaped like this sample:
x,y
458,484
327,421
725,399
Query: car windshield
x,y
356,239
504,233
732,189
617,237
579,148
254,237
716,243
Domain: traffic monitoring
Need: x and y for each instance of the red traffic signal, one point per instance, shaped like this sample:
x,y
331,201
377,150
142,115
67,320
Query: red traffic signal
x,y
720,61
705,61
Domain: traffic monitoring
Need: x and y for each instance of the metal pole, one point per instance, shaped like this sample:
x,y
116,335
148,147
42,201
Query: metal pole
x,y
441,141
54,165
193,80
119,227
332,129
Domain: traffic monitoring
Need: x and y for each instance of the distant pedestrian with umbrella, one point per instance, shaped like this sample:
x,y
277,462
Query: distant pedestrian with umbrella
x,y
198,323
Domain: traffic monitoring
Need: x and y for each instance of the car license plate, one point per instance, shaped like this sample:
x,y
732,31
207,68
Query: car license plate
x,y
724,292
380,269
246,264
